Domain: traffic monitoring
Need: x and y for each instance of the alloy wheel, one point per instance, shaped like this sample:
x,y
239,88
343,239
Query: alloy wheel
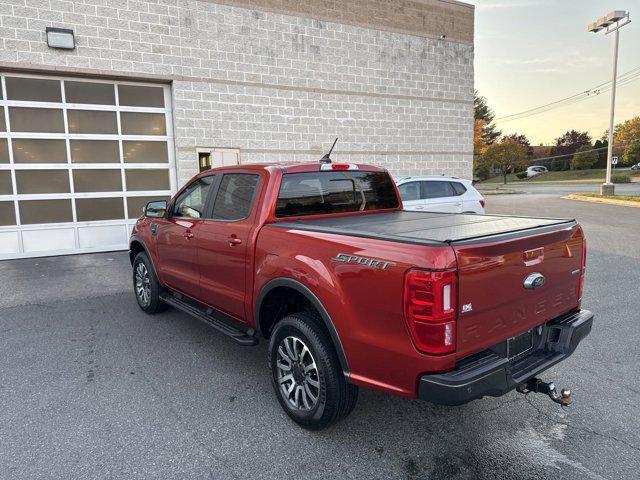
x,y
297,373
143,285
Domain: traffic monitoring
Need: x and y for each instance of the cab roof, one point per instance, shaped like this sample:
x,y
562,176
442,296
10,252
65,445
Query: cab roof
x,y
297,167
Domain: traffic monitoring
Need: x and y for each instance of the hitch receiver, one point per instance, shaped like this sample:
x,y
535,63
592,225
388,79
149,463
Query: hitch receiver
x,y
535,385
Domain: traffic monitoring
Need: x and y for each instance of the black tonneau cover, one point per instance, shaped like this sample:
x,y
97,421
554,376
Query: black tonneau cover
x,y
429,228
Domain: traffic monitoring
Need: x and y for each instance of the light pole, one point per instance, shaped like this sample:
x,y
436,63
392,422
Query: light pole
x,y
612,22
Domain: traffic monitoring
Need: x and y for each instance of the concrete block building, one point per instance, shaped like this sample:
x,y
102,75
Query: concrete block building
x,y
145,93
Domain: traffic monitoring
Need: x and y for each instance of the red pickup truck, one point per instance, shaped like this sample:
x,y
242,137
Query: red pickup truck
x,y
351,290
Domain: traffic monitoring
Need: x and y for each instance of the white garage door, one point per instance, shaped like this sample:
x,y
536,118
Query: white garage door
x,y
78,161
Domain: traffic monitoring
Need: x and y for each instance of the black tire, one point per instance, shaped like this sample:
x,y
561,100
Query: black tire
x,y
149,297
336,397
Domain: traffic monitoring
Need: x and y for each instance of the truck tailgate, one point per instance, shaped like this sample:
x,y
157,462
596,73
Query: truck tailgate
x,y
493,302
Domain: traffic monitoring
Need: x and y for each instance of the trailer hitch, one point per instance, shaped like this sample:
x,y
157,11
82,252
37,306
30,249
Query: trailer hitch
x,y
535,385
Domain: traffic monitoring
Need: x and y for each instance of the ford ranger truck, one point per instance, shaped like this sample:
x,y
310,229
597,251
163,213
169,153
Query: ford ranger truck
x,y
352,291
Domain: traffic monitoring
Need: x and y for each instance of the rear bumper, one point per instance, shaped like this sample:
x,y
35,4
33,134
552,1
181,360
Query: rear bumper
x,y
490,374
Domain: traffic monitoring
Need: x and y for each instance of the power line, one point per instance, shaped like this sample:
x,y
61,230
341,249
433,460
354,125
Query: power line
x,y
596,90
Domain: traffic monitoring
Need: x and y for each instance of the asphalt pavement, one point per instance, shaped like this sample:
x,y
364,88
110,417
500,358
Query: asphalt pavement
x,y
91,387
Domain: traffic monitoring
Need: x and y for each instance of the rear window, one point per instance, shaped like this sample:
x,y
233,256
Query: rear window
x,y
318,193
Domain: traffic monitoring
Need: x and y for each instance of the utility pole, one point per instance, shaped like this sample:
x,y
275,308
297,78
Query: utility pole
x,y
611,23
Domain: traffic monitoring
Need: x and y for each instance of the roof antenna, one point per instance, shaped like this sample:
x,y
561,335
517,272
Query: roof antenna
x,y
327,158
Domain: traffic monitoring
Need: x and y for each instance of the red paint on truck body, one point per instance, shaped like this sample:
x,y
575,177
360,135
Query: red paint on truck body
x,y
365,304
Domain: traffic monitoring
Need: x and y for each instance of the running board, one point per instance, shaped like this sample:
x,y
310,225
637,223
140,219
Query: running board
x,y
241,337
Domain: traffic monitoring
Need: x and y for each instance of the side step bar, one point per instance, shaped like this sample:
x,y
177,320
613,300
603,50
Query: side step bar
x,y
241,337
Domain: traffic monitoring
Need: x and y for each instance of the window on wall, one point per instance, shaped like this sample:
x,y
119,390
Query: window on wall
x,y
217,157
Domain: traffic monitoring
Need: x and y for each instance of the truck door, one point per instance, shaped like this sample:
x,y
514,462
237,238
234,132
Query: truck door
x,y
175,238
223,249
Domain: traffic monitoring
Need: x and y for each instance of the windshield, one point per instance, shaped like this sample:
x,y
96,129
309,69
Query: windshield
x,y
318,193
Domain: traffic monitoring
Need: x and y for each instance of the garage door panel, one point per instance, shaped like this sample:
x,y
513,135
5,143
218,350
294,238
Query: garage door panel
x,y
147,179
97,181
4,150
45,211
95,151
33,89
31,150
145,152
136,123
42,120
9,242
90,93
79,158
103,236
93,209
92,121
54,239
42,181
6,186
7,213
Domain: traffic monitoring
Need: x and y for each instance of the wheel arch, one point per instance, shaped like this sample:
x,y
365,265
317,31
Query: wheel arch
x,y
136,245
278,284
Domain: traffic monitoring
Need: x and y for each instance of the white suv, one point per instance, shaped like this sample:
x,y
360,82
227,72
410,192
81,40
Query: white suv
x,y
440,194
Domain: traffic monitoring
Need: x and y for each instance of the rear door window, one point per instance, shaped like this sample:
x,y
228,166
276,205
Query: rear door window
x,y
235,196
409,191
316,193
437,189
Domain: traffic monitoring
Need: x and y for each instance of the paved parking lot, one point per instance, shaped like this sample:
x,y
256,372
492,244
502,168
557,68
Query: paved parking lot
x,y
90,387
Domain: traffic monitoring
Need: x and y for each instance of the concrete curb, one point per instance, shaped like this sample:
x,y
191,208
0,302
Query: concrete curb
x,y
610,201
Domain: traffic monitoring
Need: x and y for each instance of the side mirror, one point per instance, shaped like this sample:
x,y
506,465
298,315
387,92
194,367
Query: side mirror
x,y
155,209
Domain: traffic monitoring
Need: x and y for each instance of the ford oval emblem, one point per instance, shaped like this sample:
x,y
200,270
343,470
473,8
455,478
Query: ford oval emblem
x,y
534,280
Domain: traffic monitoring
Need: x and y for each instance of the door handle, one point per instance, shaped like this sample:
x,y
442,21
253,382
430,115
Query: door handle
x,y
188,235
233,241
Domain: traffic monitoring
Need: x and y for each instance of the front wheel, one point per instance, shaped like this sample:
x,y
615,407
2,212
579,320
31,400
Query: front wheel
x,y
146,285
306,374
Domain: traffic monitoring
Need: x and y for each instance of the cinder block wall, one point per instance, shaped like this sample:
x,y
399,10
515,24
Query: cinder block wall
x,y
279,79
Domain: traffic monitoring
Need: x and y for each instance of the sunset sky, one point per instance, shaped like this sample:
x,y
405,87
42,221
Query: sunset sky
x,y
532,52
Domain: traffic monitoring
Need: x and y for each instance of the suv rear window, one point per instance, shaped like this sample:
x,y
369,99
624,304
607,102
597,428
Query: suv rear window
x,y
319,193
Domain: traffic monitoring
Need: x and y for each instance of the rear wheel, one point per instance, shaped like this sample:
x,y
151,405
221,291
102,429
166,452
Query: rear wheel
x,y
306,374
146,285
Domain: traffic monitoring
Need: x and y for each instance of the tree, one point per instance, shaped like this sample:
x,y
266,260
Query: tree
x,y
601,148
631,154
585,158
570,142
522,140
627,132
483,116
484,134
505,155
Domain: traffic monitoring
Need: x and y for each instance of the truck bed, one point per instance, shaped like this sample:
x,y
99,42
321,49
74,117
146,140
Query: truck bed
x,y
428,228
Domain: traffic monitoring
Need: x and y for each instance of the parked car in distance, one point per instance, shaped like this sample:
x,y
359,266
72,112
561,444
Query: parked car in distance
x,y
440,194
636,166
534,170
350,290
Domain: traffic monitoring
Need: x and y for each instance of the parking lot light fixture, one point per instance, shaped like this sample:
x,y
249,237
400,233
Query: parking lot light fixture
x,y
611,23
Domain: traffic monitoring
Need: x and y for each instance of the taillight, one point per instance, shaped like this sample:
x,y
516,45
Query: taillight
x,y
482,203
430,310
582,268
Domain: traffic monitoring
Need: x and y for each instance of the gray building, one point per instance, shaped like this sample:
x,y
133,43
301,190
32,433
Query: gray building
x,y
153,91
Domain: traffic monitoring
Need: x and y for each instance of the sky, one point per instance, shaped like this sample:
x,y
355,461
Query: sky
x,y
532,52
